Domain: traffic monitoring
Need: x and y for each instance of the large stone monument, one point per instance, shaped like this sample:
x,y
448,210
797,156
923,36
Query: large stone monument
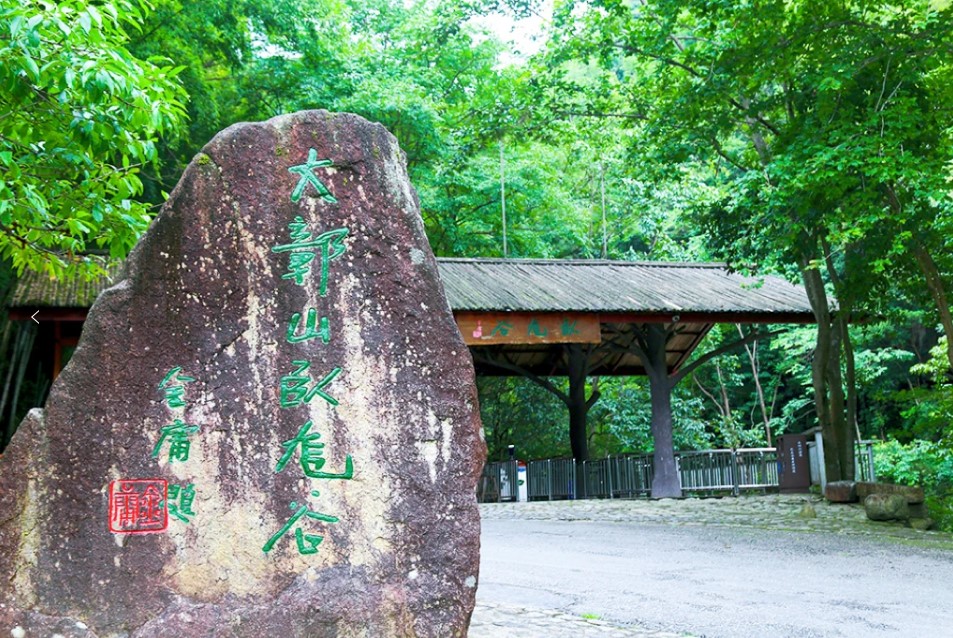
x,y
270,426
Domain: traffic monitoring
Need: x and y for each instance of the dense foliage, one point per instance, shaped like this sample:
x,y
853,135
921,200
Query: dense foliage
x,y
923,463
79,118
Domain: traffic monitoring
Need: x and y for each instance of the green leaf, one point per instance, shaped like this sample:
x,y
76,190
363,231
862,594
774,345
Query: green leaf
x,y
94,13
15,25
31,68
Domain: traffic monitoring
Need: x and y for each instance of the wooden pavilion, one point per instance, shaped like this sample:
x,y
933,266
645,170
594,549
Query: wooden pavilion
x,y
539,319
520,313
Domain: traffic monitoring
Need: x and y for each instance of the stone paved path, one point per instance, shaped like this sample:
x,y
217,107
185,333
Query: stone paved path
x,y
491,620
769,512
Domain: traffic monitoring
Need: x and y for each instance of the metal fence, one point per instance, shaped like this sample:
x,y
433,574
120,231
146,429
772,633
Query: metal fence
x,y
632,475
627,476
616,477
735,470
864,467
551,479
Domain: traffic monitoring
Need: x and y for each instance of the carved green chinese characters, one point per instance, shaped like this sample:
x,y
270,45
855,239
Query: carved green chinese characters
x,y
298,388
177,434
295,390
307,543
306,171
302,250
311,456
312,330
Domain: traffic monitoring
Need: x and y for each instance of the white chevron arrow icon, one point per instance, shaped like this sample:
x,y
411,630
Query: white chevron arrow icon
x,y
33,316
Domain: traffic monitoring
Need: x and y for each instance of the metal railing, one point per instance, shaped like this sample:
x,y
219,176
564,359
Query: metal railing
x,y
632,475
757,468
735,470
617,477
551,479
864,467
627,476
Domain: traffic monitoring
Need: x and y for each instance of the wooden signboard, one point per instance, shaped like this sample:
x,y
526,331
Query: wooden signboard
x,y
492,328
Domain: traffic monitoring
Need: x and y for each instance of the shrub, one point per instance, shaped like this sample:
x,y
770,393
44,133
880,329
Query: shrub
x,y
922,463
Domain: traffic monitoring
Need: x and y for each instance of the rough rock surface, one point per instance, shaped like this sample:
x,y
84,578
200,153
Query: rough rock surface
x,y
886,507
921,523
913,495
917,510
209,374
841,492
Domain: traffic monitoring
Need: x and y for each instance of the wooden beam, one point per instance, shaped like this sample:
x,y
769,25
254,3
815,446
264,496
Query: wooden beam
x,y
707,317
691,348
495,328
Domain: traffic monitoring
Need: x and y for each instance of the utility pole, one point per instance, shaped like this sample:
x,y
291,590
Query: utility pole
x,y
503,199
605,230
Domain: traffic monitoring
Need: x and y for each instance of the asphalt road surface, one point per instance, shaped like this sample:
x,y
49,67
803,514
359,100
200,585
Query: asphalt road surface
x,y
718,581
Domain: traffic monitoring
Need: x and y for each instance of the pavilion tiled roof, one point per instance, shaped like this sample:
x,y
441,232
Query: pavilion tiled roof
x,y
38,290
536,285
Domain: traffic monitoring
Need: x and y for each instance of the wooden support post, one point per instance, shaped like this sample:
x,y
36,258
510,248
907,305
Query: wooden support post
x,y
665,483
577,405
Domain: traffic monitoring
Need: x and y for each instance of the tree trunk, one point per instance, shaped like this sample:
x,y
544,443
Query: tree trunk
x,y
842,429
22,347
843,406
665,481
30,337
824,353
752,352
935,286
850,382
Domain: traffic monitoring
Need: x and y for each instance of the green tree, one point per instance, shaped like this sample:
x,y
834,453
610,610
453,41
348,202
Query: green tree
x,y
242,60
517,412
79,118
620,423
825,128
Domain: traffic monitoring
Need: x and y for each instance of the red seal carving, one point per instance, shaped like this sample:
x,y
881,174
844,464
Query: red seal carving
x,y
138,506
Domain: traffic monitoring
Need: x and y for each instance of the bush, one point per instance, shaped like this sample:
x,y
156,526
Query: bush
x,y
918,463
941,511
922,463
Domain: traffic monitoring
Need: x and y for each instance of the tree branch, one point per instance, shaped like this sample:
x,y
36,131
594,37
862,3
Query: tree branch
x,y
708,394
724,155
626,116
540,381
708,356
754,117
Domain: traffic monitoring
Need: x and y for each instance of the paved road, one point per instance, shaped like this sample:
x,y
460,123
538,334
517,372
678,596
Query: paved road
x,y
707,579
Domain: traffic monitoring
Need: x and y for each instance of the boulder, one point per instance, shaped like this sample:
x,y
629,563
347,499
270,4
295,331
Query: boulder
x,y
841,492
921,523
913,495
270,424
886,507
918,510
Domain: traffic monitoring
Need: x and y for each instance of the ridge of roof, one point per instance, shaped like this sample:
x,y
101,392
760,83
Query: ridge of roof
x,y
580,262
